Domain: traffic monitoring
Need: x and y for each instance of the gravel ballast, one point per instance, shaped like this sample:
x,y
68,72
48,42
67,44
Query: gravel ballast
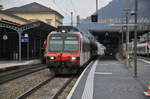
x,y
16,87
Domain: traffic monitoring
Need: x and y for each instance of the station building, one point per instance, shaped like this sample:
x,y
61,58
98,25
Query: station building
x,y
23,30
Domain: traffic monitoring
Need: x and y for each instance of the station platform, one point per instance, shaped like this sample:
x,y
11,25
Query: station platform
x,y
8,64
108,79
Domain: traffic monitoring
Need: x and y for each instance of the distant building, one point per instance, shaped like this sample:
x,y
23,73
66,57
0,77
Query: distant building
x,y
30,13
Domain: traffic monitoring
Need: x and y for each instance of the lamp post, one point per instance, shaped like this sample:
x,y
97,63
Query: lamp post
x,y
135,36
71,18
147,43
97,7
135,39
19,33
127,35
5,37
122,39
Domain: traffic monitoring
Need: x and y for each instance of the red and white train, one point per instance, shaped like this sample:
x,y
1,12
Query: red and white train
x,y
68,51
143,49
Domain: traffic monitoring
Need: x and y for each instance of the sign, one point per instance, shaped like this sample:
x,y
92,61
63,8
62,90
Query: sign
x,y
5,37
94,18
24,40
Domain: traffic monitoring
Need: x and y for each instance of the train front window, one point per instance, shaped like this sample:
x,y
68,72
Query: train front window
x,y
56,44
70,45
63,44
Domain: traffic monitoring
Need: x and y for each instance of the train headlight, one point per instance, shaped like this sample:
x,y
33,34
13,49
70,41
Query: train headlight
x,y
63,31
73,58
52,58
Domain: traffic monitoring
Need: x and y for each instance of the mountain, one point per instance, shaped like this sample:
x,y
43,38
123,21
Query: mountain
x,y
115,9
144,8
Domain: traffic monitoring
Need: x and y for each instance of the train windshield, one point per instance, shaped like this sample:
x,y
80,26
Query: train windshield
x,y
70,44
64,44
56,44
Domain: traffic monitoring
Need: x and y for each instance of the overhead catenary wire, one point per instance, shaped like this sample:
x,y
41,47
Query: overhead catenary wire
x,y
61,8
74,7
67,11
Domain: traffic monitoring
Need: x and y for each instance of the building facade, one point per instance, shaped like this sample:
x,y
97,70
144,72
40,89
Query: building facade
x,y
32,12
31,22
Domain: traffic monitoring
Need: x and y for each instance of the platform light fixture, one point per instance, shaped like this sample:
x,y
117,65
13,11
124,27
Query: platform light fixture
x,y
27,36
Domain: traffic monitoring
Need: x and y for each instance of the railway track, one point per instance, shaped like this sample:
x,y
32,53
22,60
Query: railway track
x,y
36,87
33,89
58,93
14,74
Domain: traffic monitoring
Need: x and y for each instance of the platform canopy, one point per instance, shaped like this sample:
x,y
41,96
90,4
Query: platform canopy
x,y
37,32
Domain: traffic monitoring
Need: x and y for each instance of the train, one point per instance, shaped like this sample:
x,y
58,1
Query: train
x,y
66,51
143,45
100,49
143,48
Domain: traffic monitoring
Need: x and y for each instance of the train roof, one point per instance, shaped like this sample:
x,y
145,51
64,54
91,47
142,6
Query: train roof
x,y
73,30
67,29
57,32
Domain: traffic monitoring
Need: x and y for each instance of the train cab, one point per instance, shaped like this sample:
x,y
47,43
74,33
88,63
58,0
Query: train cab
x,y
67,51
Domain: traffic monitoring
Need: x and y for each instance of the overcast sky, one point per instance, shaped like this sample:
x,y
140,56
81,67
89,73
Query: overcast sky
x,y
84,8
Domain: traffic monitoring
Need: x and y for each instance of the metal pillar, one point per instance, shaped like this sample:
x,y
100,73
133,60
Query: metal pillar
x,y
71,18
135,39
34,49
147,42
97,7
78,21
122,38
122,41
40,47
127,38
19,33
28,49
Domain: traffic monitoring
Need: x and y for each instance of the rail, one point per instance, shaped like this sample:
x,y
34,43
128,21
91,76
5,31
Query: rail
x,y
20,73
33,89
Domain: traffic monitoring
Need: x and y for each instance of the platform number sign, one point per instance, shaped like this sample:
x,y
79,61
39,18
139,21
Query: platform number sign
x,y
24,40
